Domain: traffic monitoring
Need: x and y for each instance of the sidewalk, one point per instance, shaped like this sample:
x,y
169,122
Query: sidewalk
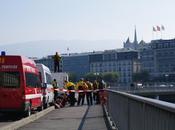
x,y
70,118
94,119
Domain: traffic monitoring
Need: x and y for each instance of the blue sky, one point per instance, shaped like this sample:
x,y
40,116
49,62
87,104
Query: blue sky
x,y
33,20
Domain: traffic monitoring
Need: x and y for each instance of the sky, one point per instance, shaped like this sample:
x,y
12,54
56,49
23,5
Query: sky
x,y
35,20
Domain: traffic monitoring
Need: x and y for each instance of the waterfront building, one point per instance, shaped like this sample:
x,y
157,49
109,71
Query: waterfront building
x,y
164,57
76,63
124,61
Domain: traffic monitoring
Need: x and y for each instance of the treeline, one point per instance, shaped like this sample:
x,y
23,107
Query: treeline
x,y
109,77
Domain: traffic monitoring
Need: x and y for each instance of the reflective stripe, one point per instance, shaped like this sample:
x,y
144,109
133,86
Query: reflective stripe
x,y
31,96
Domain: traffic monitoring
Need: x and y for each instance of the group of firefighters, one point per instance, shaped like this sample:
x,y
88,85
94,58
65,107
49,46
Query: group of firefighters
x,y
91,90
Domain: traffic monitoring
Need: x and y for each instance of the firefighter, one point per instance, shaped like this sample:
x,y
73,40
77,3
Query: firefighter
x,y
89,92
56,59
54,83
71,95
95,87
81,85
101,86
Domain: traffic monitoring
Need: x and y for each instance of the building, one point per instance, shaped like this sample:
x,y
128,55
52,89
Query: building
x,y
76,63
124,61
147,60
47,61
158,58
164,57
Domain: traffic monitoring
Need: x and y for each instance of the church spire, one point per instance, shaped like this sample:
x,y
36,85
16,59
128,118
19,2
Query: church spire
x,y
128,41
135,36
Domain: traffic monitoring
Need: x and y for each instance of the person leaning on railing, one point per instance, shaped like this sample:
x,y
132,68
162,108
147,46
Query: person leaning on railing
x,y
95,87
101,86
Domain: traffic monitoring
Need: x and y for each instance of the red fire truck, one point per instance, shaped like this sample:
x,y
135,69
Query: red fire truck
x,y
20,86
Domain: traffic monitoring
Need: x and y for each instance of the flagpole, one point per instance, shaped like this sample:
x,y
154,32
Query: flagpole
x,y
163,29
154,33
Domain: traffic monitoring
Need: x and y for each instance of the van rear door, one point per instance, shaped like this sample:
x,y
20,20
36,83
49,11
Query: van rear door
x,y
11,94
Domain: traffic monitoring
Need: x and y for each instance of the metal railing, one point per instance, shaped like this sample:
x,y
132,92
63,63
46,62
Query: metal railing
x,y
131,112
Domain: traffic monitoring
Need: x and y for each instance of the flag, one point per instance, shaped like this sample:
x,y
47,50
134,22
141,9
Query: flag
x,y
154,29
162,27
158,28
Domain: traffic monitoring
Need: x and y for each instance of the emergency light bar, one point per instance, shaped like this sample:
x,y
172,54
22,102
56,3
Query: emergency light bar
x,y
2,53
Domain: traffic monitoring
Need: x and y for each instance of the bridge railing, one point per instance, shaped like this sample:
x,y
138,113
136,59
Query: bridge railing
x,y
131,112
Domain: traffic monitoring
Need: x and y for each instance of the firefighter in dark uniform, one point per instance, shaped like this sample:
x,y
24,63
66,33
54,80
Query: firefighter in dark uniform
x,y
71,95
54,83
89,92
56,59
95,87
81,85
101,86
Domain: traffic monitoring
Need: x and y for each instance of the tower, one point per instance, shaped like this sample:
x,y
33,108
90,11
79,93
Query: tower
x,y
135,36
135,43
132,45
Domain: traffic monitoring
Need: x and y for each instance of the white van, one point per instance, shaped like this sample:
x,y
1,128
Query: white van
x,y
46,79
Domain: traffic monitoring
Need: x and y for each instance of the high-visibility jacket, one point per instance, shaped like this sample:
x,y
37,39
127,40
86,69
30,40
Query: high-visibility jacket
x,y
95,85
89,84
54,83
57,58
69,86
81,85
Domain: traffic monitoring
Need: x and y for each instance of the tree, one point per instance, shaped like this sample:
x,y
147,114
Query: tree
x,y
111,77
72,77
92,76
142,76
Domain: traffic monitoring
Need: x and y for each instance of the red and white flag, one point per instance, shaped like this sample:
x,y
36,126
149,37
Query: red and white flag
x,y
162,27
154,29
158,28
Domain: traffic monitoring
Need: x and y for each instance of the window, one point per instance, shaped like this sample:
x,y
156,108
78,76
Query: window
x,y
9,79
32,80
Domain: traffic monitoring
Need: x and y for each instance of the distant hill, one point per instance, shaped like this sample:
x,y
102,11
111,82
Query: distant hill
x,y
49,47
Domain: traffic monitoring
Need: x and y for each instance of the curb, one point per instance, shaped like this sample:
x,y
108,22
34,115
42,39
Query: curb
x,y
110,124
17,124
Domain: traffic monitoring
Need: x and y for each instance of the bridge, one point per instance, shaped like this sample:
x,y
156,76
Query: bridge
x,y
123,111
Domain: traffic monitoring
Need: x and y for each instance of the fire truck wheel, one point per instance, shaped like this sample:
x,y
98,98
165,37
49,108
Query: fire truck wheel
x,y
28,112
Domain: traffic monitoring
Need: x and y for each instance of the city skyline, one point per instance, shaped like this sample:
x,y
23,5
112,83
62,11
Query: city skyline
x,y
93,20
